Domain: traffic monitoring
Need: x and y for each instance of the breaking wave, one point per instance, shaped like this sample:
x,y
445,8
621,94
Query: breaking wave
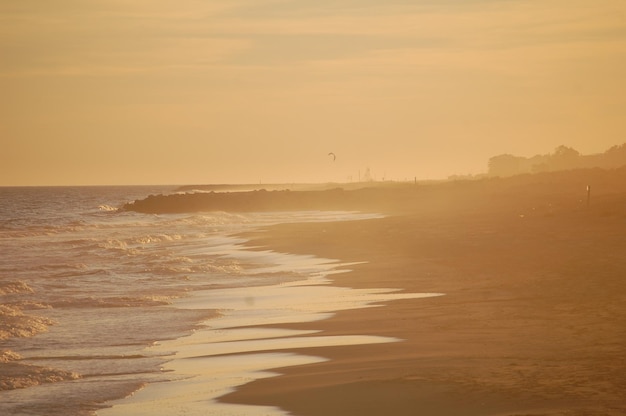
x,y
16,375
15,324
107,208
14,288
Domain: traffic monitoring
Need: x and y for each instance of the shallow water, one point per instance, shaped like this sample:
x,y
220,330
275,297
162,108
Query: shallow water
x,y
96,303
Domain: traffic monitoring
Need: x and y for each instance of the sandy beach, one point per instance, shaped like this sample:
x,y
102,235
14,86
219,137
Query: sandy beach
x,y
313,208
532,322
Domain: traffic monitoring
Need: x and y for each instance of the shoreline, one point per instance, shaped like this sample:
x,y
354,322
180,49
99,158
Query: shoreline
x,y
532,321
252,336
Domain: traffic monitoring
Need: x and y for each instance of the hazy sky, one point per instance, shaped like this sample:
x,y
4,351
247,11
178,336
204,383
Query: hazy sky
x,y
213,91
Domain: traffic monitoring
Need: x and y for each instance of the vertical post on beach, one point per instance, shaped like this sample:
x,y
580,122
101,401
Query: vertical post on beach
x,y
588,195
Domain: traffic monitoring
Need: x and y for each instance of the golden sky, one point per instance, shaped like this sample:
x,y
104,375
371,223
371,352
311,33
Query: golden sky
x,y
248,91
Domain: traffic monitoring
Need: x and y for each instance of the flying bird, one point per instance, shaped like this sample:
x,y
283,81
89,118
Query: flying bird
x,y
333,155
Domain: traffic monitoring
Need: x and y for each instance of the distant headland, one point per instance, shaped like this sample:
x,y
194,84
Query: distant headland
x,y
525,193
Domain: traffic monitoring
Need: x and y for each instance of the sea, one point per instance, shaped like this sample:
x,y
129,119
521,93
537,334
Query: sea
x,y
98,303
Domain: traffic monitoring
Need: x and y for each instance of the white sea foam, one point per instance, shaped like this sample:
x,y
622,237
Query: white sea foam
x,y
107,208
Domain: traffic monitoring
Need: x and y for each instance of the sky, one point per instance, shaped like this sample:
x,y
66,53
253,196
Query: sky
x,y
106,92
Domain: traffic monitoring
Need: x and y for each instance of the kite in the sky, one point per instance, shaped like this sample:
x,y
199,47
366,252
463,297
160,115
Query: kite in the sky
x,y
333,155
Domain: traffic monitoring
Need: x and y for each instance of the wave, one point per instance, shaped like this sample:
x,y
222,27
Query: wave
x,y
114,244
15,324
14,288
16,375
158,238
173,267
52,267
88,357
62,270
25,232
8,355
113,302
107,208
204,221
45,226
91,243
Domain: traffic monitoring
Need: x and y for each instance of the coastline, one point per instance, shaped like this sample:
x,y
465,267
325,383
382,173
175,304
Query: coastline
x,y
532,321
237,346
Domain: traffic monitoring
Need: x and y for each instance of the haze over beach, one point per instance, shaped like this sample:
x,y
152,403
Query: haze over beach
x,y
313,208
158,92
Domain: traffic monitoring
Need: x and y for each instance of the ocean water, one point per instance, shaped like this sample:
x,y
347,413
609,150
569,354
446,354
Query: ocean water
x,y
97,303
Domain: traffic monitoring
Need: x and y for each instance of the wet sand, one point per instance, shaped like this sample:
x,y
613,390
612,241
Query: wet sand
x,y
533,320
236,346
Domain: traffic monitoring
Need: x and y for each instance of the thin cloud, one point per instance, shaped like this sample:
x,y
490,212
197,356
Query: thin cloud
x,y
133,37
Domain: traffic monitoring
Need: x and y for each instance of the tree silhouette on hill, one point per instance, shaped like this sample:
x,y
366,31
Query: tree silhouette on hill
x,y
563,158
